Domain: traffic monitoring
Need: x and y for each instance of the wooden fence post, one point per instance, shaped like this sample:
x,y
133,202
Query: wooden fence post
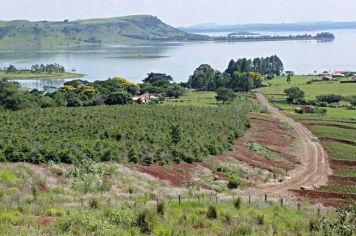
x,y
265,197
318,212
298,206
281,201
249,199
179,200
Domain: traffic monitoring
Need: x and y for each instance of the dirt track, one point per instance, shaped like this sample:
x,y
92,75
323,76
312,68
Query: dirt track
x,y
314,169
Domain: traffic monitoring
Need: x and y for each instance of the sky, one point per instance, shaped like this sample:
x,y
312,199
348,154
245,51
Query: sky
x,y
184,12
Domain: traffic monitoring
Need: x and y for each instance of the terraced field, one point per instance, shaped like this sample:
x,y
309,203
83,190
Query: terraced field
x,y
336,131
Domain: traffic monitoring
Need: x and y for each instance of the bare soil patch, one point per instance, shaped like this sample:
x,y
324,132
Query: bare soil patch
x,y
45,220
327,199
339,180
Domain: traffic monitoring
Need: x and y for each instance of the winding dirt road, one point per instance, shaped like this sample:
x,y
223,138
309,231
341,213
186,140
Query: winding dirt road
x,y
314,168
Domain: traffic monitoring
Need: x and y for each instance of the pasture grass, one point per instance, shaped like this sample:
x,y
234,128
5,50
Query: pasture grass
x,y
279,84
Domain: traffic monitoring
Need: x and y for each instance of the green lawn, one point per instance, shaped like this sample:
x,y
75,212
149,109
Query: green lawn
x,y
38,76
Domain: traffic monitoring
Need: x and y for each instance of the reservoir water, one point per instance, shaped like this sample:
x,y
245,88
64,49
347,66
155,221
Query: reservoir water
x,y
180,59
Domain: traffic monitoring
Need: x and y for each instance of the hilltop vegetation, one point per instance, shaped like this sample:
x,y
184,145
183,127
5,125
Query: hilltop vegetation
x,y
71,33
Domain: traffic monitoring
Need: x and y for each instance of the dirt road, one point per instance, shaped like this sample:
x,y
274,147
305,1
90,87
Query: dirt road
x,y
314,168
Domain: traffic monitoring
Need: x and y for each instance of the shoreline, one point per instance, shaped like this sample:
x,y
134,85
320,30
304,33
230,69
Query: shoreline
x,y
39,76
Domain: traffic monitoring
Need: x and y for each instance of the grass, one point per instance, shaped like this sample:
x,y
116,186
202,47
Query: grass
x,y
334,132
349,189
340,151
38,76
346,172
279,84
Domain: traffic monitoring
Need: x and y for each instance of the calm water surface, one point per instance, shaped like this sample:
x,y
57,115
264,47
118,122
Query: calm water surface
x,y
180,59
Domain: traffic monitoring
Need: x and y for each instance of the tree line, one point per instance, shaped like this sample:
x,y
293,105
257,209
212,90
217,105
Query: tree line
x,y
241,75
37,68
77,93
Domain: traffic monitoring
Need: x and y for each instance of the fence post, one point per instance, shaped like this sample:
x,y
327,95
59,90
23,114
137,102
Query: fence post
x,y
265,197
179,200
281,201
198,198
249,199
216,199
318,212
298,206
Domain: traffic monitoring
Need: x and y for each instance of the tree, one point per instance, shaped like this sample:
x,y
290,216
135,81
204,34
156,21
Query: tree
x,y
119,98
353,103
294,94
289,78
154,77
203,78
175,91
225,95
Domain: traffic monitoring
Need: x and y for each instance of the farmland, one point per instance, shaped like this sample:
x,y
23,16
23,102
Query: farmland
x,y
336,129
137,134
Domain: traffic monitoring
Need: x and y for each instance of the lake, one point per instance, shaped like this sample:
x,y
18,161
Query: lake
x,y
180,59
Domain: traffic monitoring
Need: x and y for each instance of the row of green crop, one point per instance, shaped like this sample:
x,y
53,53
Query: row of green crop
x,y
139,134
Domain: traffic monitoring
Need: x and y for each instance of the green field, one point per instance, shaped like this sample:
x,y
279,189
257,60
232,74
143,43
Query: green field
x,y
279,84
38,76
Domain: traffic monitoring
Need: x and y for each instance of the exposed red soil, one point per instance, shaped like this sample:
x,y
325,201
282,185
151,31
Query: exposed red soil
x,y
330,125
337,164
176,174
270,134
339,180
41,188
327,199
45,220
338,141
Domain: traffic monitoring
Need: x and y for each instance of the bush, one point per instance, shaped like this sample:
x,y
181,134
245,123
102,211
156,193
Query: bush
x,y
233,183
242,230
330,98
145,221
94,203
260,219
237,203
160,208
314,225
212,213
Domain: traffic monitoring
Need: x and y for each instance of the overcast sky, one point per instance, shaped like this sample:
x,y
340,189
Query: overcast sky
x,y
184,12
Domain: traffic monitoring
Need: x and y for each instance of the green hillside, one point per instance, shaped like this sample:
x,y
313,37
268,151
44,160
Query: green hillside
x,y
22,33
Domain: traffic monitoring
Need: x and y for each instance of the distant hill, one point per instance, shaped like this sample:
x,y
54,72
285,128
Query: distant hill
x,y
21,33
311,26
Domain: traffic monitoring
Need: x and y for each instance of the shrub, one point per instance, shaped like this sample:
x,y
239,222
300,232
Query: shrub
x,y
145,221
233,183
260,219
237,203
314,225
212,213
330,98
94,203
242,230
160,208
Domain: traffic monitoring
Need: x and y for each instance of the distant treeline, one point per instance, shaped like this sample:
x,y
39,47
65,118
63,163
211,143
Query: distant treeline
x,y
49,68
234,37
